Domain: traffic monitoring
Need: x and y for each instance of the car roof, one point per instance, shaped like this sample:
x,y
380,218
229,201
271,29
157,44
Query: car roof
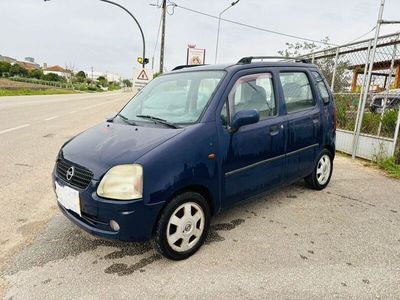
x,y
394,93
242,66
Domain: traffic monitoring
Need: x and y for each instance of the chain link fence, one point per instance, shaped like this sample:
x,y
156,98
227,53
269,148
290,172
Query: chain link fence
x,y
346,70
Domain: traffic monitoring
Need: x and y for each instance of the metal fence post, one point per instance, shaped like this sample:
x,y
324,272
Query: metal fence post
x,y
396,133
312,57
387,87
362,87
368,81
334,69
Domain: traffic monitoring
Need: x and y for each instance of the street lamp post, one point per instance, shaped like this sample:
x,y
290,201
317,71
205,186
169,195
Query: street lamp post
x,y
219,26
137,23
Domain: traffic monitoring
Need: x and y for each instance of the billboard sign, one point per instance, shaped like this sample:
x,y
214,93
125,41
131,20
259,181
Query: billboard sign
x,y
195,56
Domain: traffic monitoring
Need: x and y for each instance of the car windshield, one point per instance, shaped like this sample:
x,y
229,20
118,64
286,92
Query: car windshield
x,y
174,98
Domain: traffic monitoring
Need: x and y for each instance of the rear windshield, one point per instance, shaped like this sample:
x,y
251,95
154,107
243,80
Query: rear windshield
x,y
177,98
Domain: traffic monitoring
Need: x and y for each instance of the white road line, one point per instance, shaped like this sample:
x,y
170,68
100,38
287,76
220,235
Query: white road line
x,y
72,112
51,118
14,128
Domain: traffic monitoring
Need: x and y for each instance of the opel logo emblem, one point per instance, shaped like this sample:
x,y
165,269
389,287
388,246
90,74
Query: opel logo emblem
x,y
188,227
70,173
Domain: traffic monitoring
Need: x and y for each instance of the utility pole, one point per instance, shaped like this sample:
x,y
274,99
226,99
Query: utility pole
x,y
164,12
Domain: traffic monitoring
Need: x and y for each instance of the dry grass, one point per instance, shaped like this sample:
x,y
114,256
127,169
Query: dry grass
x,y
6,84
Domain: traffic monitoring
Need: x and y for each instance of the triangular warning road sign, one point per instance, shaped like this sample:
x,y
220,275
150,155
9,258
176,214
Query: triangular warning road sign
x,y
143,75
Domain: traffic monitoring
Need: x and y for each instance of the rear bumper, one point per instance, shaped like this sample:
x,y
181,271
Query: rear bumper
x,y
135,219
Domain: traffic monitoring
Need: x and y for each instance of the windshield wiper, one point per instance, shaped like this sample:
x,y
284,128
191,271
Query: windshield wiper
x,y
130,122
158,120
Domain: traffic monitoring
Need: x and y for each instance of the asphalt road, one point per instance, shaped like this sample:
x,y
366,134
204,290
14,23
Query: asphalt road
x,y
32,129
342,242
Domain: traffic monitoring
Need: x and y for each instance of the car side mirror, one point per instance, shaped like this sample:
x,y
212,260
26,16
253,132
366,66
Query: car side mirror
x,y
244,117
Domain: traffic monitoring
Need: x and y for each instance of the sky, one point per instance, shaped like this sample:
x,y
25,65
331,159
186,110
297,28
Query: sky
x,y
82,34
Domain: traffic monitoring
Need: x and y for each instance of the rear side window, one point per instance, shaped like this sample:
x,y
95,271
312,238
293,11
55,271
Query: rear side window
x,y
323,90
297,91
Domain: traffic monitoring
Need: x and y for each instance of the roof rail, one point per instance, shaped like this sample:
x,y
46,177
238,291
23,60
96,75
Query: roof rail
x,y
249,59
185,66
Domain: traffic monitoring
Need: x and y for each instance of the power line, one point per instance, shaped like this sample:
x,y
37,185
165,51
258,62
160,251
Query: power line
x,y
251,26
361,36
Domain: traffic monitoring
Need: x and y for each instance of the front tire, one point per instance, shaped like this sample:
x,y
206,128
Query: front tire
x,y
183,226
322,172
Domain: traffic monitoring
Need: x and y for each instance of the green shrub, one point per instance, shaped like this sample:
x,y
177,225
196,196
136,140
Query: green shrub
x,y
17,70
4,68
390,166
389,122
370,123
346,109
36,73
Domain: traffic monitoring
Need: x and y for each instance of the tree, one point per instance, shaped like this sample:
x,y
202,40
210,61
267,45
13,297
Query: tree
x,y
325,64
156,74
102,80
81,74
17,70
4,68
298,49
36,73
52,77
127,83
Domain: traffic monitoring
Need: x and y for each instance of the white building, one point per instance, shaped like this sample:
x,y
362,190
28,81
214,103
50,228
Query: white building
x,y
60,71
109,76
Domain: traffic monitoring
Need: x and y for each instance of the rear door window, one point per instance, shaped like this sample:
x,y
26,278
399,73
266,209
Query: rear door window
x,y
297,91
323,90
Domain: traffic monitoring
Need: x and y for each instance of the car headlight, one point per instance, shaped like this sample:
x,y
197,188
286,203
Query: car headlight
x,y
123,182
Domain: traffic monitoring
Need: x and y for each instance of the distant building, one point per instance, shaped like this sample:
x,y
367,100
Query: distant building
x,y
28,65
8,59
60,71
30,59
109,76
113,77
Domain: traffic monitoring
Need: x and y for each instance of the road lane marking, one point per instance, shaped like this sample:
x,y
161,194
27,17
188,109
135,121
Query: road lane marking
x,y
14,128
55,117
51,118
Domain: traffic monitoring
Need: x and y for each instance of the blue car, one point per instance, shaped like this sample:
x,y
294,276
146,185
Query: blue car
x,y
194,142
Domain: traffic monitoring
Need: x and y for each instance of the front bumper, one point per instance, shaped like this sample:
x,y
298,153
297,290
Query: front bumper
x,y
136,219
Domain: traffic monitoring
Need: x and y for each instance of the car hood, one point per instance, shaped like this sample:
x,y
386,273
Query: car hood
x,y
110,144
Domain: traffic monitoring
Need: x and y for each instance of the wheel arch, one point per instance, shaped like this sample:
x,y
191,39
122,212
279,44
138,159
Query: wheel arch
x,y
331,150
196,188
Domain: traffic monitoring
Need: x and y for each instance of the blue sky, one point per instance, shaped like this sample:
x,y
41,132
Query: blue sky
x,y
86,33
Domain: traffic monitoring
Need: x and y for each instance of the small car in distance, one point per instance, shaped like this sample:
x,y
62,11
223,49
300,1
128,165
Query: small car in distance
x,y
194,142
392,101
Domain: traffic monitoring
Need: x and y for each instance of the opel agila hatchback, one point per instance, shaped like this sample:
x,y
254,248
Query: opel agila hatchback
x,y
194,142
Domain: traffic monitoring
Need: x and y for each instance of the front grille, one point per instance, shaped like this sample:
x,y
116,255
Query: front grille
x,y
81,177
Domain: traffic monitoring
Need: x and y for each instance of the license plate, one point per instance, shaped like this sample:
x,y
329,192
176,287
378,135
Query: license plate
x,y
68,198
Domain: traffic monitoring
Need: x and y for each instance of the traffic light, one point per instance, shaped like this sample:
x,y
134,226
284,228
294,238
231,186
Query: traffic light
x,y
140,60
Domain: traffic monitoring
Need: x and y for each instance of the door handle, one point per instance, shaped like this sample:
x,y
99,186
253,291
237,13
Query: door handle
x,y
274,129
315,118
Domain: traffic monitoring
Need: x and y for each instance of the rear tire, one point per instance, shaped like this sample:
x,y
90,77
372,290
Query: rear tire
x,y
322,172
183,226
